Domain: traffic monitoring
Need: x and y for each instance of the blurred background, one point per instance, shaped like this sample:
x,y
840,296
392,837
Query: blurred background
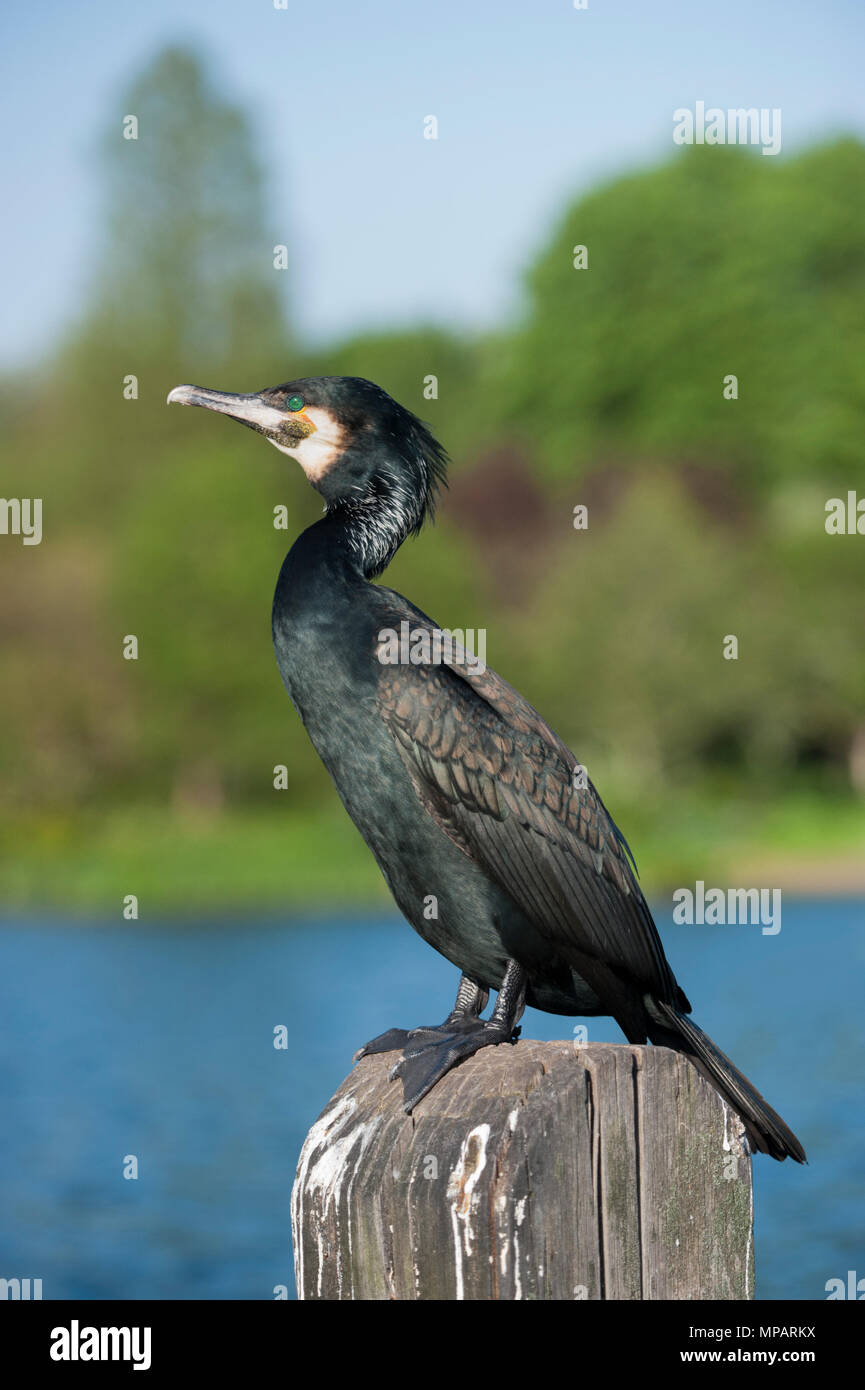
x,y
406,258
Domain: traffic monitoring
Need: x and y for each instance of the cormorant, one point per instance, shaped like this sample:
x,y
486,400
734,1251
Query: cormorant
x,y
461,790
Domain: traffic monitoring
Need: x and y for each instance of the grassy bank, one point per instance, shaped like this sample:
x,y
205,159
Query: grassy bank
x,y
287,862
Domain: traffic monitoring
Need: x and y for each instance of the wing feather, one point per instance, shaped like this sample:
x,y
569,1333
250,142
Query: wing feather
x,y
501,784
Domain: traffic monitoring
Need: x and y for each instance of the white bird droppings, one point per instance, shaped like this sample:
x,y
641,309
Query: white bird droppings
x,y
321,1173
461,1194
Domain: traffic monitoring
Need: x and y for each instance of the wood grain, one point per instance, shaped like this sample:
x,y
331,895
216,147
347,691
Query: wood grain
x,y
535,1171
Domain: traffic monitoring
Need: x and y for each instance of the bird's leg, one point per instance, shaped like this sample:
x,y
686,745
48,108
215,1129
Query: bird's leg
x,y
426,1060
471,1000
470,1003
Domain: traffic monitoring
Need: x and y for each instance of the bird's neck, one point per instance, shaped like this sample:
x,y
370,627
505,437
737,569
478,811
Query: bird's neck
x,y
370,530
359,537
350,545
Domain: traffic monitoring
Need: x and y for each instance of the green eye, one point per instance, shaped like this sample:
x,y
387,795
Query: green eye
x,y
295,403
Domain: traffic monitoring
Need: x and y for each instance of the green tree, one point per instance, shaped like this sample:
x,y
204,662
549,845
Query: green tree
x,y
718,263
187,270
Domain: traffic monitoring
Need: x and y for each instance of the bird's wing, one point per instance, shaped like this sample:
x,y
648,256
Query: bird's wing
x,y
500,783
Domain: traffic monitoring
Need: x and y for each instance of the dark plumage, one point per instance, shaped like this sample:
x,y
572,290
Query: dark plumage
x,y
458,786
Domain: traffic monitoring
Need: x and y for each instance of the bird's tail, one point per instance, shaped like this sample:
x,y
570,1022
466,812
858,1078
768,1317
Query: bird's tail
x,y
766,1130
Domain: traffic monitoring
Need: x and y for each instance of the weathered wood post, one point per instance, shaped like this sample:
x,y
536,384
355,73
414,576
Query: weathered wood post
x,y
543,1170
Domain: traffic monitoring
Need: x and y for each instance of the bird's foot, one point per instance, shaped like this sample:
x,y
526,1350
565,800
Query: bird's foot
x,y
430,1053
422,1036
385,1042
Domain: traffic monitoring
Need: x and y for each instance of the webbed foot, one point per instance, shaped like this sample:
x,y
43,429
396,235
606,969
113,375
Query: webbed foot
x,y
385,1042
426,1060
429,1053
471,1000
422,1035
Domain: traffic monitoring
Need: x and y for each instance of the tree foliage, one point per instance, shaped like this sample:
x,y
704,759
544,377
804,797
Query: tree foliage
x,y
705,513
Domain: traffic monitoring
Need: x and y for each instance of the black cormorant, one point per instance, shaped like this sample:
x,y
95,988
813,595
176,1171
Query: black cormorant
x,y
461,790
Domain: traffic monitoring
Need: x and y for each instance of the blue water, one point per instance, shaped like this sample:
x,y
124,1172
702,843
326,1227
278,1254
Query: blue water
x,y
158,1043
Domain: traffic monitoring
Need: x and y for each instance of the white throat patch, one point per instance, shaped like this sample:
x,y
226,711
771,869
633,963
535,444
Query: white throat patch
x,y
319,451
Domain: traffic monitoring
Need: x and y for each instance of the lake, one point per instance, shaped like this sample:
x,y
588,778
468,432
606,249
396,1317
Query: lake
x,y
157,1042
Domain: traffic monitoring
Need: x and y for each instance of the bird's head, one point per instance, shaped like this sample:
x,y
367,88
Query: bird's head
x,y
373,461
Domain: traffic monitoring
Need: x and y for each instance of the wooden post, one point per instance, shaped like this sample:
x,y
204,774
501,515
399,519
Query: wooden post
x,y
543,1170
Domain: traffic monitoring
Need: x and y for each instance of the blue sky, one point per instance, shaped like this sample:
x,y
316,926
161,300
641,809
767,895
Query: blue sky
x,y
534,101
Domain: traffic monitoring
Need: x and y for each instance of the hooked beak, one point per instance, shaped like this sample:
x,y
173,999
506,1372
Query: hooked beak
x,y
250,410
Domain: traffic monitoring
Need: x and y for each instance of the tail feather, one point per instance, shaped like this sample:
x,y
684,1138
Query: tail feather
x,y
766,1130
